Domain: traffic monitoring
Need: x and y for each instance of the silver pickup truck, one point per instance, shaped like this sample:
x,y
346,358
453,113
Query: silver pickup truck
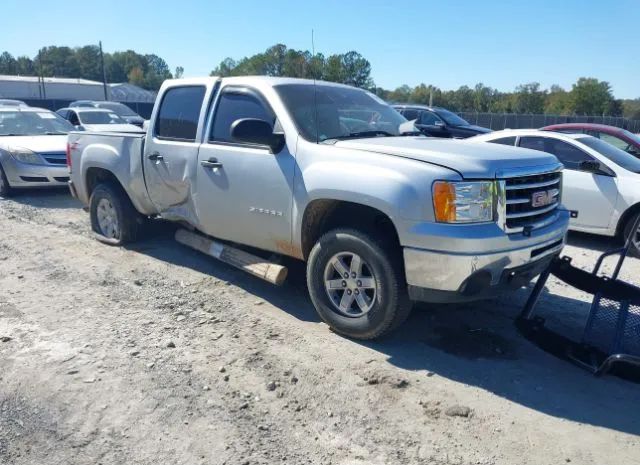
x,y
331,175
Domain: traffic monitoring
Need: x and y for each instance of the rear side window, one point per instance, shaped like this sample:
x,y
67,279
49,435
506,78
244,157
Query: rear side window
x,y
429,119
570,156
504,141
234,106
411,114
179,113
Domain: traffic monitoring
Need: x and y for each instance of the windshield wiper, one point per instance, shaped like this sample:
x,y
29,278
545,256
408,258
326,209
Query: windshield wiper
x,y
11,134
58,133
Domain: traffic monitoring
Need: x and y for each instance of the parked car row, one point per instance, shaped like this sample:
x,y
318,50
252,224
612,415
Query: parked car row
x,y
333,176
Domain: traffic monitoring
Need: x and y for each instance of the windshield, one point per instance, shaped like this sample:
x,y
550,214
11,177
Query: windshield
x,y
451,118
341,112
28,123
619,157
118,108
100,117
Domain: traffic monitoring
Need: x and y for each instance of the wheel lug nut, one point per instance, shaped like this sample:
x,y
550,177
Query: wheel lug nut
x,y
357,292
346,275
344,284
359,283
349,291
353,275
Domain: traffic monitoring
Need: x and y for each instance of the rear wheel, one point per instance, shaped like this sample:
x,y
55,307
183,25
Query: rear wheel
x,y
5,188
633,229
356,285
113,218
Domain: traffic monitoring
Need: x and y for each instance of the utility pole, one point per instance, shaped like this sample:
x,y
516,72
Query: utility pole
x,y
104,75
431,97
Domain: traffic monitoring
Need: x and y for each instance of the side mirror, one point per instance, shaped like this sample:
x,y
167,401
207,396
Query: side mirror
x,y
257,131
590,166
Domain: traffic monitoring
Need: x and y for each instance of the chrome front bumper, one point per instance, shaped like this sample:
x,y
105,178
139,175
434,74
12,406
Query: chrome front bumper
x,y
462,275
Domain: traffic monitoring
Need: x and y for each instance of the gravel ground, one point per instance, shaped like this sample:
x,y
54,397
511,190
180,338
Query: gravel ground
x,y
154,354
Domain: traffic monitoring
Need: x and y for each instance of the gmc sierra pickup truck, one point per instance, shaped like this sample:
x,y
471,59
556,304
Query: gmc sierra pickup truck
x,y
331,175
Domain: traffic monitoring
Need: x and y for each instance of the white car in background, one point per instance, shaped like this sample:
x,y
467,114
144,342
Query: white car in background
x,y
96,119
600,181
33,143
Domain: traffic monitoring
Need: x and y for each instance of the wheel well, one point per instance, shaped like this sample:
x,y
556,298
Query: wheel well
x,y
626,217
97,176
321,216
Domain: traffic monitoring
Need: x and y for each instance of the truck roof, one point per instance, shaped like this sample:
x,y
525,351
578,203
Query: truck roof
x,y
270,80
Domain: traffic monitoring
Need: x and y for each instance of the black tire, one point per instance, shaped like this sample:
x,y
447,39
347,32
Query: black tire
x,y
128,219
391,305
635,246
5,188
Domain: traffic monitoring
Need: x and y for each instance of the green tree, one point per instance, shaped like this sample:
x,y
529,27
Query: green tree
x,y
88,58
8,64
528,98
591,96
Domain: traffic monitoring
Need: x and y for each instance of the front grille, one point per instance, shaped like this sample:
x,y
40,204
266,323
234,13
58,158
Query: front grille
x,y
522,193
59,158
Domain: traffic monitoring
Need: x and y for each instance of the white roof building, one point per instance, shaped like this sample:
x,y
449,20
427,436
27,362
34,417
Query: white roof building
x,y
32,87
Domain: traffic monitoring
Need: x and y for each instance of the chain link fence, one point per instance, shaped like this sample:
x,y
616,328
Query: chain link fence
x,y
498,121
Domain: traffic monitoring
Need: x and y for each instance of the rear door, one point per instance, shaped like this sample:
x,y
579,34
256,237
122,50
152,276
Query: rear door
x,y
592,195
244,190
171,153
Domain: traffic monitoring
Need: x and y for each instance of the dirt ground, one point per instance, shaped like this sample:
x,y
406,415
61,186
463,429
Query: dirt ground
x,y
154,354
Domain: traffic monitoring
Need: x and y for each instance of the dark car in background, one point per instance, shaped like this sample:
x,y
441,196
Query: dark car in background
x,y
618,137
439,122
120,109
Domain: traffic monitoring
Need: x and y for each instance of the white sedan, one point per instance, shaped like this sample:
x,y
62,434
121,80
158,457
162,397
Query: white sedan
x,y
600,181
96,119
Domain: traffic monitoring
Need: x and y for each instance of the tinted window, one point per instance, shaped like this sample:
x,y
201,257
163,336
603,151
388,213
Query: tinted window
x,y
73,118
451,118
504,141
179,113
570,156
235,106
619,157
411,114
428,118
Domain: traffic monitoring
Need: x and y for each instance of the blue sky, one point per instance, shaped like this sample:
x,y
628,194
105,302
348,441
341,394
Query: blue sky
x,y
446,42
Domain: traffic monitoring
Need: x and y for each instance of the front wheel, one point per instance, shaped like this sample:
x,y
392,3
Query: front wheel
x,y
356,285
633,229
113,218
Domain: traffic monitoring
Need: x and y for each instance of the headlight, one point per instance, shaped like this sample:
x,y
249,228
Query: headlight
x,y
26,156
463,202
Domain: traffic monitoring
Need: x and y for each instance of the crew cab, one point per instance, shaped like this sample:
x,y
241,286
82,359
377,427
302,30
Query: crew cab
x,y
331,175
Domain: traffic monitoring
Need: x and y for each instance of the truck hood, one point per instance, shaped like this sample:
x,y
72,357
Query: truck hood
x,y
112,127
472,160
39,144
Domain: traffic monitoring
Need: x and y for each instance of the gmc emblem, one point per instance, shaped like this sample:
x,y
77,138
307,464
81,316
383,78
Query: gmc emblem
x,y
542,198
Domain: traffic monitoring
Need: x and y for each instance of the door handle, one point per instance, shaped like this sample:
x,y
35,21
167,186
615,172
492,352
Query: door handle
x,y
155,156
211,163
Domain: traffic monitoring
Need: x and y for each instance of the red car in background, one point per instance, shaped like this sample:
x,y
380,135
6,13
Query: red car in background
x,y
620,138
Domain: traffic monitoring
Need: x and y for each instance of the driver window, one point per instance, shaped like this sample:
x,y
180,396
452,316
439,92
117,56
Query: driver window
x,y
569,156
428,118
232,107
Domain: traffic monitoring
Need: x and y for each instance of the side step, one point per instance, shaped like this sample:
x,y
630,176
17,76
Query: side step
x,y
257,266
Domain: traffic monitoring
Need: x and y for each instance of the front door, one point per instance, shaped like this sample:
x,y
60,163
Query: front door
x,y
244,192
170,154
592,195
